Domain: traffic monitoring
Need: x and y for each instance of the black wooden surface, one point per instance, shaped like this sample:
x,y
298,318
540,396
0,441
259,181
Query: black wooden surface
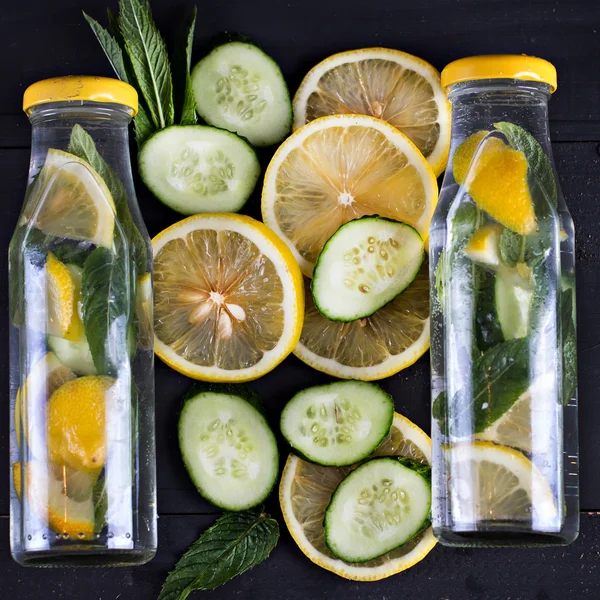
x,y
42,38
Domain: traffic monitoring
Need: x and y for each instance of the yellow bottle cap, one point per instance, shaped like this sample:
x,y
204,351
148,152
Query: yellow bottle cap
x,y
78,88
500,66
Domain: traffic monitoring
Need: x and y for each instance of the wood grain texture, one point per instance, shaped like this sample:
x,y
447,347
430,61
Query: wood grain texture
x,y
42,39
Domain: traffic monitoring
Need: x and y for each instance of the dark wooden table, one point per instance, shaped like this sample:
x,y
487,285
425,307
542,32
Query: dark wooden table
x,y
42,38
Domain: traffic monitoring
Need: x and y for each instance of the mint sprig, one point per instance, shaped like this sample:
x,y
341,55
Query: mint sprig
x,y
182,81
148,54
235,543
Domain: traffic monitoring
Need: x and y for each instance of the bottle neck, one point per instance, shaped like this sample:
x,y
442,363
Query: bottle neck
x,y
477,105
107,124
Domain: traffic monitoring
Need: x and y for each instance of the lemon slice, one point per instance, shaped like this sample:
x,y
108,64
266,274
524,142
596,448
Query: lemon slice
x,y
45,377
70,200
228,298
59,497
388,84
305,492
493,483
388,341
340,168
144,311
76,419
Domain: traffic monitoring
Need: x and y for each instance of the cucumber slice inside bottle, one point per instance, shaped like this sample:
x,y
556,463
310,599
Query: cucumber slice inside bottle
x,y
227,446
513,303
378,507
364,265
339,423
240,88
194,169
75,355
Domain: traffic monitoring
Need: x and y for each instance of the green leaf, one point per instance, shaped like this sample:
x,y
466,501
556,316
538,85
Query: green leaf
x,y
439,410
439,280
148,54
82,145
500,377
569,336
235,543
73,254
100,498
487,323
143,126
185,102
511,247
110,46
422,469
106,304
539,164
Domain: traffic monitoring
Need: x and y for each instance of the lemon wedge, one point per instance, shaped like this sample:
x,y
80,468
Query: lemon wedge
x,y
71,201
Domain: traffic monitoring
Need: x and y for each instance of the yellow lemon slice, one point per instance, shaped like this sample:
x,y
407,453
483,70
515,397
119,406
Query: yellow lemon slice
x,y
45,377
388,84
228,298
339,168
60,498
388,341
489,482
76,423
495,176
71,200
305,491
144,311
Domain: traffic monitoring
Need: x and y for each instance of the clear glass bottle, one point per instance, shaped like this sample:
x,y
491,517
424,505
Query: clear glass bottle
x,y
83,490
503,345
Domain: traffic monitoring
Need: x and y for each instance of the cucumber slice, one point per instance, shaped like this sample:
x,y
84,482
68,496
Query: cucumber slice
x,y
194,169
339,423
364,265
227,446
240,88
380,506
75,355
513,301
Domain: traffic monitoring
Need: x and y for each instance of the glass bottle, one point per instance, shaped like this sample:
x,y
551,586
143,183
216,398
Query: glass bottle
x,y
503,346
83,485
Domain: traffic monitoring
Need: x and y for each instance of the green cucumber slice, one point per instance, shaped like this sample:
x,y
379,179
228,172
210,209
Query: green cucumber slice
x,y
364,265
227,446
339,423
378,507
194,169
513,301
75,355
240,88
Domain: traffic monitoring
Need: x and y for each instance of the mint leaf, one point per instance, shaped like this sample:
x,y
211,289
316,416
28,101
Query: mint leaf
x,y
110,46
569,336
439,410
182,81
73,254
511,247
235,543
500,377
539,164
82,145
143,126
439,280
105,303
148,54
488,332
100,498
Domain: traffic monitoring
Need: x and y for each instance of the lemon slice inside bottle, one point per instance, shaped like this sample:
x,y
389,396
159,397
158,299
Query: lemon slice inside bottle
x,y
390,340
70,200
60,498
340,168
388,84
45,377
306,489
228,298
